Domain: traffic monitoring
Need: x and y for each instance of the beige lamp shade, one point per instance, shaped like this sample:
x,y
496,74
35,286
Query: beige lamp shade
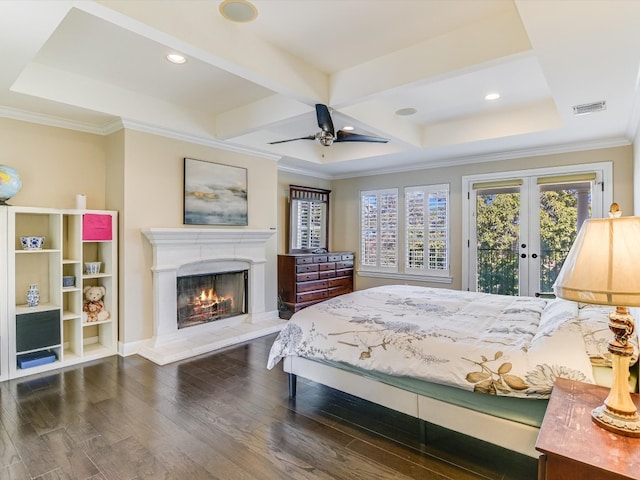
x,y
603,265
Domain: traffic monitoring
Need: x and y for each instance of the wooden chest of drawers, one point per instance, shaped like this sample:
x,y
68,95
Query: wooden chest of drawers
x,y
305,279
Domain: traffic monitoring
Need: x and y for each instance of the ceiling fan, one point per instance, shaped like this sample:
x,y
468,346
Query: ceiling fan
x,y
327,135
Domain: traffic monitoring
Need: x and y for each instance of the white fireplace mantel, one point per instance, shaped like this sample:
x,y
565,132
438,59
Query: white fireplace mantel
x,y
170,244
201,236
177,249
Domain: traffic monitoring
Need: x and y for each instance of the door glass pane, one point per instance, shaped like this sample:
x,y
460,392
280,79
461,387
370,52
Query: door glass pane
x,y
563,208
497,234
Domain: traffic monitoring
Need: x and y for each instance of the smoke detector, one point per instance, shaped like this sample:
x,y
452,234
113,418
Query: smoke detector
x,y
586,108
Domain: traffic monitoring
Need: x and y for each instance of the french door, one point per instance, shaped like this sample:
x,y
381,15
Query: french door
x,y
522,227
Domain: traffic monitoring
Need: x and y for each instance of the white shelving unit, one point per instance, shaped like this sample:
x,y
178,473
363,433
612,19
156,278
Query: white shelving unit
x,y
56,324
4,330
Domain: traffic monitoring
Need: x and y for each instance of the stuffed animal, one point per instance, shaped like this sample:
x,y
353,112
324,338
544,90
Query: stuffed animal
x,y
93,309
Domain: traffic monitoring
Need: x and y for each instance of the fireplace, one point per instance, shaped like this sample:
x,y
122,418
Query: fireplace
x,y
197,252
211,296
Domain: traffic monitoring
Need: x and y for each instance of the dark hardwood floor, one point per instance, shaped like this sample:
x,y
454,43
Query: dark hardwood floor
x,y
220,416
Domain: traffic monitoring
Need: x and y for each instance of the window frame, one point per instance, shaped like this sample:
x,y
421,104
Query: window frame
x,y
400,271
301,235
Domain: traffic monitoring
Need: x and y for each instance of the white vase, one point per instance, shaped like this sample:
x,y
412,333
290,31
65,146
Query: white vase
x,y
33,295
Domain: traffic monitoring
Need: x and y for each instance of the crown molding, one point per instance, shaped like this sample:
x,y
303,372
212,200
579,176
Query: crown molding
x,y
493,157
196,139
121,123
307,173
50,120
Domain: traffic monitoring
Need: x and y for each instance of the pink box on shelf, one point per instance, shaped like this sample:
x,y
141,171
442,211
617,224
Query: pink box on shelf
x,y
96,227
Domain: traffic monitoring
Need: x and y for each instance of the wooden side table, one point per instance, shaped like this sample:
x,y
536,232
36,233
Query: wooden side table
x,y
575,448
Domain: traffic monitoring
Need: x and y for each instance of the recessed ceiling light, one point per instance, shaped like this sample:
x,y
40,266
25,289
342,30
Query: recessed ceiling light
x,y
348,128
238,10
176,58
406,112
492,96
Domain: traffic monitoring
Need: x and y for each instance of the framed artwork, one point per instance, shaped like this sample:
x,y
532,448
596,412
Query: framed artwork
x,y
214,194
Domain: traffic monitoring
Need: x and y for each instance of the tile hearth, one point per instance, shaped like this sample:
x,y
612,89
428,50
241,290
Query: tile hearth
x,y
190,345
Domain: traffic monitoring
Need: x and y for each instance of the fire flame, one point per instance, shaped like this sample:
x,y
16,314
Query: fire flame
x,y
210,298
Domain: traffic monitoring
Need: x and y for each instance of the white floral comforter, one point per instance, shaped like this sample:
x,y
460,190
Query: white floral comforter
x,y
501,345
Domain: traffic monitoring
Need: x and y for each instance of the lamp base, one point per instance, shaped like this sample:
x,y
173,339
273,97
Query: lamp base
x,y
619,413
627,425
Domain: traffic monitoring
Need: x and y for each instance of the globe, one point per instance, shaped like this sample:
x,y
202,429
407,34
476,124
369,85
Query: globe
x,y
10,183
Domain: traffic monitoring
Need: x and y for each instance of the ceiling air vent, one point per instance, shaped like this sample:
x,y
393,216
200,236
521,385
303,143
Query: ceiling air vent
x,y
589,108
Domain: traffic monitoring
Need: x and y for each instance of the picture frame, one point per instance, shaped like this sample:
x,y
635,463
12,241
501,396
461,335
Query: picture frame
x,y
214,194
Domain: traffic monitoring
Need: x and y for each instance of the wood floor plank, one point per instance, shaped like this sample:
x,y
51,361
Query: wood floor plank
x,y
123,460
33,451
15,471
57,474
8,453
70,457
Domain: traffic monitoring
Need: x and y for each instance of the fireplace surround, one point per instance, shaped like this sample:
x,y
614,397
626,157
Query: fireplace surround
x,y
179,252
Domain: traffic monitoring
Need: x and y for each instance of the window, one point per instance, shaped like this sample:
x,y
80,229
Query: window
x,y
422,224
379,230
427,229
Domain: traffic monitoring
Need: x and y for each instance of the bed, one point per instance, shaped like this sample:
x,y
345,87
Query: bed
x,y
480,364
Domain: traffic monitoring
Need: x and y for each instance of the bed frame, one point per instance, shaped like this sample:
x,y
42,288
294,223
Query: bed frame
x,y
511,435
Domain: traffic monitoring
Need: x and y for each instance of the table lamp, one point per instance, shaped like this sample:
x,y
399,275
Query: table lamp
x,y
603,268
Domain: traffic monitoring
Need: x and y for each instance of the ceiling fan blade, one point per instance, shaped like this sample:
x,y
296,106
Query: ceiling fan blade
x,y
310,137
324,119
356,137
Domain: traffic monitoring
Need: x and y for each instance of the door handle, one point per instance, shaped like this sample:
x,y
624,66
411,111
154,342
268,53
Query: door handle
x,y
523,255
534,255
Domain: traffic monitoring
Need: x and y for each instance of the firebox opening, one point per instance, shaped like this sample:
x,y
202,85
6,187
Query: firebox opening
x,y
209,297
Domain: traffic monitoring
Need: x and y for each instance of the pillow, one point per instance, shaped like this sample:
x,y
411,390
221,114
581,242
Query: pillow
x,y
555,315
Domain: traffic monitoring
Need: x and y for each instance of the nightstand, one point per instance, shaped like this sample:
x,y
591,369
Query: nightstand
x,y
575,448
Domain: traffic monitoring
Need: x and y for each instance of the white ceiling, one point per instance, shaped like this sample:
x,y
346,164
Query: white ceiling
x,y
95,66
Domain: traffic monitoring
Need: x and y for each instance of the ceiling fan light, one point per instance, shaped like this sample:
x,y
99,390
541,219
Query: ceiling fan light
x,y
325,138
241,11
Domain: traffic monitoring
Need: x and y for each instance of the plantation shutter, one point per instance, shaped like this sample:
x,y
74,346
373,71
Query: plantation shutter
x,y
427,227
379,229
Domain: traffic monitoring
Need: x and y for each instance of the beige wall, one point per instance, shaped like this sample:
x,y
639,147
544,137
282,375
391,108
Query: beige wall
x,y
284,180
346,196
54,164
114,173
152,197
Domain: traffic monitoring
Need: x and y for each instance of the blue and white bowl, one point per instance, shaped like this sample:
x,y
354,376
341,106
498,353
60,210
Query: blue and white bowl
x,y
32,243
